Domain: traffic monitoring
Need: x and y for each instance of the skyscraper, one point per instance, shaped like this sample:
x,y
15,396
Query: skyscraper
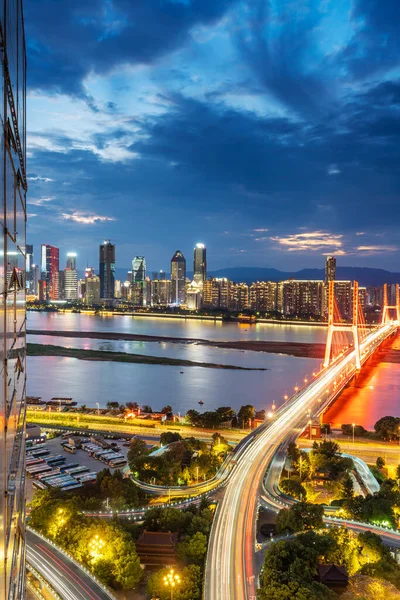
x,y
49,269
330,269
71,261
200,263
178,277
107,270
29,272
13,336
139,296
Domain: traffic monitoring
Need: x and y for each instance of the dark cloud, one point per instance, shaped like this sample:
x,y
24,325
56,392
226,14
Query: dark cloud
x,y
278,45
67,39
375,45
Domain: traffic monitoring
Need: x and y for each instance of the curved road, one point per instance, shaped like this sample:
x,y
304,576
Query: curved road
x,y
230,569
66,577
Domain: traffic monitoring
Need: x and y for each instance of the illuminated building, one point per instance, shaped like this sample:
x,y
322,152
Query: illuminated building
x,y
344,298
239,296
330,269
92,292
216,292
301,297
35,280
107,270
200,263
70,284
263,296
178,278
193,295
71,261
161,292
42,284
13,305
139,288
50,269
29,271
117,288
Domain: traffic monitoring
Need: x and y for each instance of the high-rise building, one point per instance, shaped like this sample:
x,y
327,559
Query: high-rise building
x,y
239,296
330,269
29,272
35,280
302,297
92,292
161,292
217,293
107,270
70,284
50,269
139,287
71,261
200,263
13,314
263,296
344,298
178,278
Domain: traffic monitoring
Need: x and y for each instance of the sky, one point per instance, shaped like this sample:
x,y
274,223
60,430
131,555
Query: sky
x,y
267,129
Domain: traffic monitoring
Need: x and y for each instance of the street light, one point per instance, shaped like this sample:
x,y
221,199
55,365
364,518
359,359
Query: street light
x,y
95,547
171,580
353,426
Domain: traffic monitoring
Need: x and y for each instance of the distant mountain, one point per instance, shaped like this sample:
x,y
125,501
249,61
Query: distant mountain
x,y
364,275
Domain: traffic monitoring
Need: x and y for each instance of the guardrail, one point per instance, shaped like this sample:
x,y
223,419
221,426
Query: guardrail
x,y
40,577
76,563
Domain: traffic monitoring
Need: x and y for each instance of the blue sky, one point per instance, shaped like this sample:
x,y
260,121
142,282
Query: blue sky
x,y
267,129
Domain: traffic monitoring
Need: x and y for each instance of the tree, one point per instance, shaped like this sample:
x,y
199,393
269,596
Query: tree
x,y
380,462
193,416
359,430
292,487
194,548
327,448
146,408
245,415
166,409
398,472
293,452
188,589
347,486
387,428
169,437
226,413
300,517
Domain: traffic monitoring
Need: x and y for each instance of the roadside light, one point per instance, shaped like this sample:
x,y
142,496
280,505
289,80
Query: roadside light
x,y
270,415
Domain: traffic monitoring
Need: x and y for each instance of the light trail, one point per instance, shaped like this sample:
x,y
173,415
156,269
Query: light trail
x,y
230,571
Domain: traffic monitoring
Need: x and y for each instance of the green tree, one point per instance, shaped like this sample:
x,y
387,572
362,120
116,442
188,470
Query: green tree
x,y
169,437
245,415
292,487
347,486
398,472
387,428
188,589
166,409
300,517
194,548
380,462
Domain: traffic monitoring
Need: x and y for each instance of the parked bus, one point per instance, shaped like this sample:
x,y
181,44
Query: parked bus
x,y
69,448
117,462
68,466
37,470
39,485
38,453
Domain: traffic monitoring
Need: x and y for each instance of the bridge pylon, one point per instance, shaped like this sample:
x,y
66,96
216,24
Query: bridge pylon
x,y
387,307
348,328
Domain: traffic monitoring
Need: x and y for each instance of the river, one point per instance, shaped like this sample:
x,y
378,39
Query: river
x,y
157,385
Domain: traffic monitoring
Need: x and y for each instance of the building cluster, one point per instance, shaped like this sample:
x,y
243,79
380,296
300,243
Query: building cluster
x,y
292,297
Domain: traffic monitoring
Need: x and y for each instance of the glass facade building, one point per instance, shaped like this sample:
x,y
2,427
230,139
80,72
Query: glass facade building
x,y
107,270
13,283
50,271
200,263
178,277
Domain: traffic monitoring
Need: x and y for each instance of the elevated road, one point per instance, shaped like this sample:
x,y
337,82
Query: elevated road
x,y
70,580
231,572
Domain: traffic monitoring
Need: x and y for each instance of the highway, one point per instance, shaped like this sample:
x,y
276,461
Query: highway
x,y
66,577
231,572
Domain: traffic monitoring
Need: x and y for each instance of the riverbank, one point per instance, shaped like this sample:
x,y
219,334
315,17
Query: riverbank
x,y
298,349
100,355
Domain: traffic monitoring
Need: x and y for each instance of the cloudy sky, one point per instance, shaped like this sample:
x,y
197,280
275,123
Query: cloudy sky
x,y
267,129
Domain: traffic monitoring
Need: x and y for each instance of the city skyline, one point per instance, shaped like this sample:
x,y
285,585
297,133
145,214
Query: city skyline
x,y
266,169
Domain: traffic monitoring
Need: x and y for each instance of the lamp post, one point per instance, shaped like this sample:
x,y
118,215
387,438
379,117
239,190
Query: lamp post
x,y
171,580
